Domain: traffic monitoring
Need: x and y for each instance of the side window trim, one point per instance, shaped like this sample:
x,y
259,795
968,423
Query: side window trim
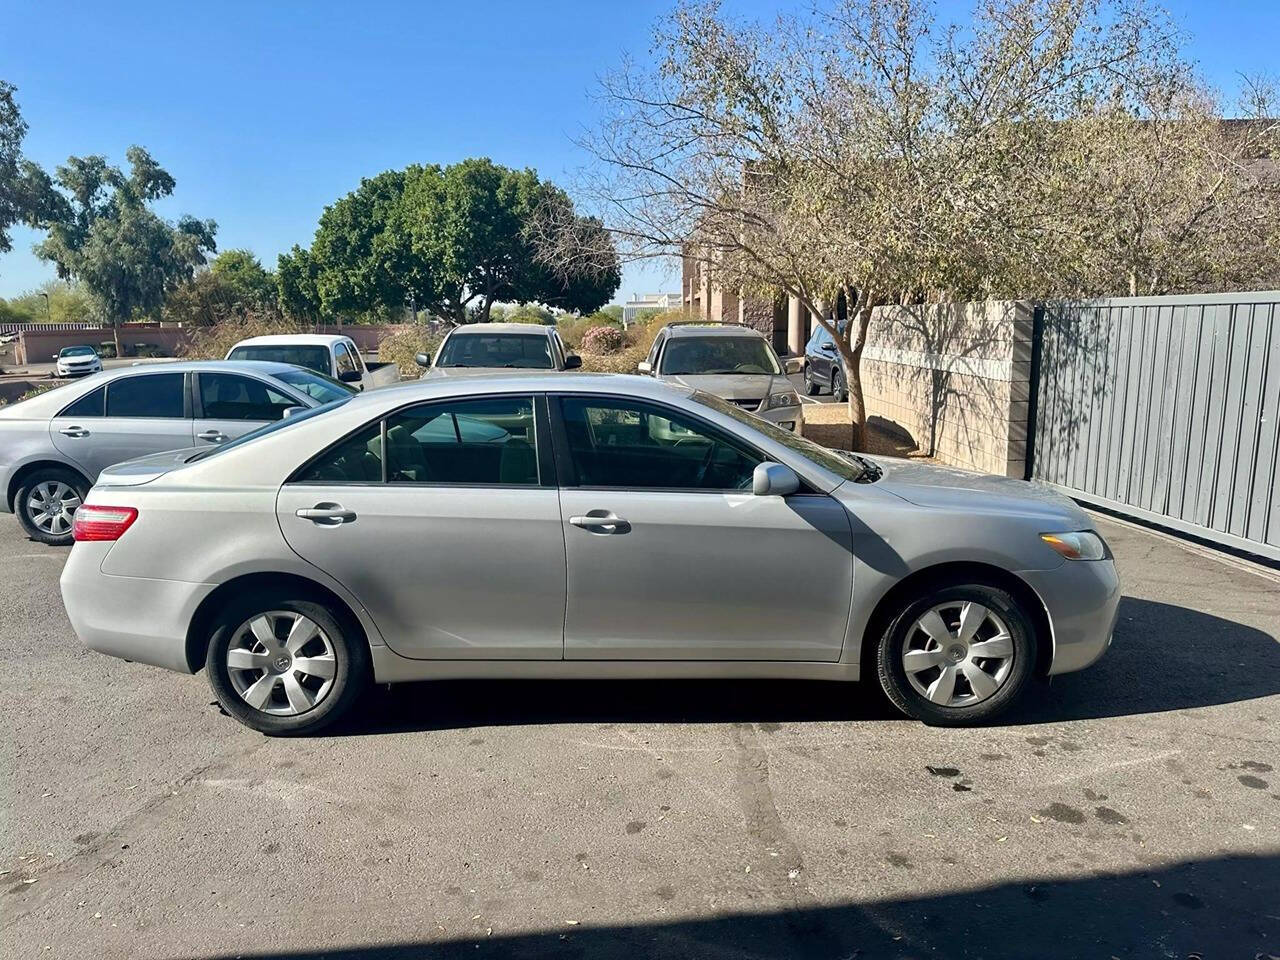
x,y
566,472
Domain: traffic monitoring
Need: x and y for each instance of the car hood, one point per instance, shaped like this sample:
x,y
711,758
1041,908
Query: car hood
x,y
133,473
439,373
932,485
732,386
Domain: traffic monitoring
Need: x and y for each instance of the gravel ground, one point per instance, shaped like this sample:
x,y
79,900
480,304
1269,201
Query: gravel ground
x,y
1132,810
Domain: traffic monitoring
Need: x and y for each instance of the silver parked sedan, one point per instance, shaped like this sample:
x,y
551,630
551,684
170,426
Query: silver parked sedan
x,y
577,526
55,444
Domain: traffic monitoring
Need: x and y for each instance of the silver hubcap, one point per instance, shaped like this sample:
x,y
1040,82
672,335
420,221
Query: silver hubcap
x,y
957,654
281,663
51,505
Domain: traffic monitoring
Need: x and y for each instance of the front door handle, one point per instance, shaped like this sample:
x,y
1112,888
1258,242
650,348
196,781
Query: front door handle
x,y
76,432
599,521
213,436
326,514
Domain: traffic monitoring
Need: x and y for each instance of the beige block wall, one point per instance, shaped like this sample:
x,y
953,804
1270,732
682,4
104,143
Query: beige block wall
x,y
955,379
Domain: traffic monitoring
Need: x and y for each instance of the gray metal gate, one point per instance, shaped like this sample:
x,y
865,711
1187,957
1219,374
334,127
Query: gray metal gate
x,y
1167,409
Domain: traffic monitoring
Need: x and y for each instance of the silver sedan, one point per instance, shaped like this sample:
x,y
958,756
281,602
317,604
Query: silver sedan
x,y
577,526
55,444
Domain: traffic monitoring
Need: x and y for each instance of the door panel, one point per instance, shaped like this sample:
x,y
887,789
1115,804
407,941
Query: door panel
x,y
446,572
97,443
705,576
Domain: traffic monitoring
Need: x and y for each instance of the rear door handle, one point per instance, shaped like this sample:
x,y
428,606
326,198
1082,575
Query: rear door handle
x,y
326,514
74,432
213,436
597,522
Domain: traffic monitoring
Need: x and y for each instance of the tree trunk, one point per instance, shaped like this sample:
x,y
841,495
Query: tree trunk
x,y
851,354
115,335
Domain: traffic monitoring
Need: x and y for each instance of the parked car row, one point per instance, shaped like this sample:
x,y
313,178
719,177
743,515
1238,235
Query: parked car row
x,y
555,525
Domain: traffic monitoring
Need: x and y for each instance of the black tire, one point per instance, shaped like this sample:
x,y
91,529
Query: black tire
x,y
837,387
810,387
31,484
901,632
351,665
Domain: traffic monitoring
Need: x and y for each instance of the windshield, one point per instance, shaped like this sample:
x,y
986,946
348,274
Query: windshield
x,y
252,435
713,355
519,350
311,357
76,352
317,386
849,466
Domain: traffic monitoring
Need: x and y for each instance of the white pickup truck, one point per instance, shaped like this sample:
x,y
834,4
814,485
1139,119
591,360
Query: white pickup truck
x,y
331,354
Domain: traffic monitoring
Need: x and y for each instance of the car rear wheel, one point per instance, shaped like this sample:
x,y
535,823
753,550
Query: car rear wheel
x,y
286,667
810,387
46,504
959,655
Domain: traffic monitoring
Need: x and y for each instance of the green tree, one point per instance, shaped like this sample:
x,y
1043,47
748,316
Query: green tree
x,y
103,233
254,286
22,197
297,286
613,311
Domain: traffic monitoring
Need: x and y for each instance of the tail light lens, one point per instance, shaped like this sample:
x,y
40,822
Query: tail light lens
x,y
97,522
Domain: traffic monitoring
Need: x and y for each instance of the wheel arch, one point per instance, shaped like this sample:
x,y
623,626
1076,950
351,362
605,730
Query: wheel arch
x,y
33,466
897,597
202,620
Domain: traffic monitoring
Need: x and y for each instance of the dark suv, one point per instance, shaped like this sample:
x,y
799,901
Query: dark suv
x,y
823,368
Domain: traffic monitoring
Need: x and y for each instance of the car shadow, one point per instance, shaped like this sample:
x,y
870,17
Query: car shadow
x,y
1164,657
1215,907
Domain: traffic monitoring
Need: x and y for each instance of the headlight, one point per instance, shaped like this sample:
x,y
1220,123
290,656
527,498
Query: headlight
x,y
1080,545
781,400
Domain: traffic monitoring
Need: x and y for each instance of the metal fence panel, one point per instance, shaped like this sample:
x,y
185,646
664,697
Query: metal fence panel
x,y
1168,409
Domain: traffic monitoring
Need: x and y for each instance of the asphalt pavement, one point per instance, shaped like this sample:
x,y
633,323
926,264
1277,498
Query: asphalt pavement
x,y
1129,811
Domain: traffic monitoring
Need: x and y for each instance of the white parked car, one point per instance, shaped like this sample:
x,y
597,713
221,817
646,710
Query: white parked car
x,y
334,356
77,361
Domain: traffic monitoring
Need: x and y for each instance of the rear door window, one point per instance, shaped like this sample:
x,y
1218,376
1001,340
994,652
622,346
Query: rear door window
x,y
480,442
157,395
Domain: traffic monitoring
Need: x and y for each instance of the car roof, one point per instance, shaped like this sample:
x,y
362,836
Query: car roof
x,y
711,330
626,384
306,339
479,328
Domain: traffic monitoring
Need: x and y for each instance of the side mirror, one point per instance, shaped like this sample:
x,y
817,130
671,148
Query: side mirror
x,y
572,362
349,376
422,359
645,367
828,347
774,480
794,365
290,411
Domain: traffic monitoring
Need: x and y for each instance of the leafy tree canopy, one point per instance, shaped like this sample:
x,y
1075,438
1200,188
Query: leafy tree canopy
x,y
103,233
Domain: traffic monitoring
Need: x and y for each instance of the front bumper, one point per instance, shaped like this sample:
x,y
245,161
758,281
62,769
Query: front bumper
x,y
132,618
79,371
1081,598
789,418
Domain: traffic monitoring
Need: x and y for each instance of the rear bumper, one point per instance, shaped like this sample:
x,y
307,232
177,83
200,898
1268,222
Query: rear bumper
x,y
132,618
1081,598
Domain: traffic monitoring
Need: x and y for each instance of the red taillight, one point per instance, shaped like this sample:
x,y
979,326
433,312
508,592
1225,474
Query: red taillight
x,y
96,522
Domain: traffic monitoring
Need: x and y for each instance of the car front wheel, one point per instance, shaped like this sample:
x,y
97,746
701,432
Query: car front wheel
x,y
959,655
286,666
46,504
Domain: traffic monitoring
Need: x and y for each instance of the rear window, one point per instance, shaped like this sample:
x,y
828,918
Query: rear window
x,y
252,435
155,395
312,357
317,386
518,350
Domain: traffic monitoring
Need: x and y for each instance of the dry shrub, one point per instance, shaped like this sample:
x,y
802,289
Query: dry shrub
x,y
401,346
213,343
573,329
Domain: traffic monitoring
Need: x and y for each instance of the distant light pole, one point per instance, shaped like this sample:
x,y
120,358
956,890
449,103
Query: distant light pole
x,y
48,314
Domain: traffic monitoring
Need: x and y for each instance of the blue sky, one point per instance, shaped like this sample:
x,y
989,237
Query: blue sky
x,y
266,112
